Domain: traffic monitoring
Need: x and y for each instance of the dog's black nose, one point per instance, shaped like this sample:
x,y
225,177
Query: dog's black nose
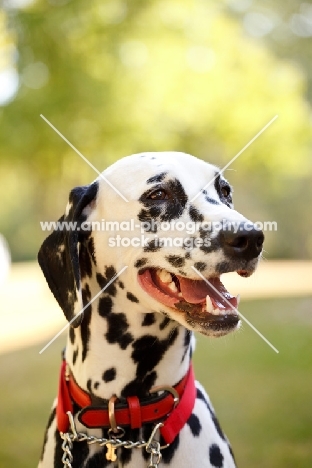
x,y
242,242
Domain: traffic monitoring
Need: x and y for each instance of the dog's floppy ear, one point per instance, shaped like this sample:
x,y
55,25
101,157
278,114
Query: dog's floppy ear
x,y
59,254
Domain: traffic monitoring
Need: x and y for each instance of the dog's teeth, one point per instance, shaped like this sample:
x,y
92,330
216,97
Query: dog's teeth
x,y
238,299
173,287
180,294
209,306
164,276
215,312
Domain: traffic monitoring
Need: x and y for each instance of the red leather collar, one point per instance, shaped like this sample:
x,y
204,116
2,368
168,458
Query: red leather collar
x,y
134,413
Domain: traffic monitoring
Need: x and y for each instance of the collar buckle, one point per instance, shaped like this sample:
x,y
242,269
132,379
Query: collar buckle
x,y
167,388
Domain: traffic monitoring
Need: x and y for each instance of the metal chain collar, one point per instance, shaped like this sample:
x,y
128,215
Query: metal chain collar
x,y
151,446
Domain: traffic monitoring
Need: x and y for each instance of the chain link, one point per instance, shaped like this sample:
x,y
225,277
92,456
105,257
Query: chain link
x,y
151,446
67,446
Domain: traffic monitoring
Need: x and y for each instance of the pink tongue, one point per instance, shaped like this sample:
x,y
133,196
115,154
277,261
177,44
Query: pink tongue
x,y
195,292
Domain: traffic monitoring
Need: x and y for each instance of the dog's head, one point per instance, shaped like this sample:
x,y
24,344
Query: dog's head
x,y
177,233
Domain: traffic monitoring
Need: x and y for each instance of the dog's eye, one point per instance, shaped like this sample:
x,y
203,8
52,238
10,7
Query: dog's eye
x,y
226,191
158,194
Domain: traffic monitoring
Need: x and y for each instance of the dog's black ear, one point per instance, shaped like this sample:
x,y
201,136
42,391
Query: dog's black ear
x,y
59,254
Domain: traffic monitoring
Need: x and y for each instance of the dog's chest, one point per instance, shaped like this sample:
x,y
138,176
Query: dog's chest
x,y
124,351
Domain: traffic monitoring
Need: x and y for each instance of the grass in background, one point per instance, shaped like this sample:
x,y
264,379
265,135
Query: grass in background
x,y
263,399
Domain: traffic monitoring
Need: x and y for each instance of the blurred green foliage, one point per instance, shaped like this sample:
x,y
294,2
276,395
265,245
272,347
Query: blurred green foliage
x,y
283,26
119,77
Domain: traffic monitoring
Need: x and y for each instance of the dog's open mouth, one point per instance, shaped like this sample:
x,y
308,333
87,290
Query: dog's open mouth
x,y
202,301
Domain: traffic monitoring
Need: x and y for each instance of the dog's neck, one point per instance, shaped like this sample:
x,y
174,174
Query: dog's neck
x,y
121,349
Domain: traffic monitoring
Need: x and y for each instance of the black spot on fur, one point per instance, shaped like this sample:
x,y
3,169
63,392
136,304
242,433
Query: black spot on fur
x,y
97,460
217,425
147,216
215,456
194,424
75,355
121,285
223,267
89,385
149,350
140,262
204,230
85,324
140,386
58,451
147,353
200,266
212,201
125,455
195,215
117,330
109,375
105,306
164,323
157,178
153,246
187,337
187,341
148,320
96,385
50,421
72,335
86,294
168,453
187,255
209,244
132,297
201,396
85,261
175,208
110,272
189,243
176,260
130,434
91,249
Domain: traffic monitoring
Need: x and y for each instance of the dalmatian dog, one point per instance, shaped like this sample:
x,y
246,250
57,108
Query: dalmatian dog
x,y
137,273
